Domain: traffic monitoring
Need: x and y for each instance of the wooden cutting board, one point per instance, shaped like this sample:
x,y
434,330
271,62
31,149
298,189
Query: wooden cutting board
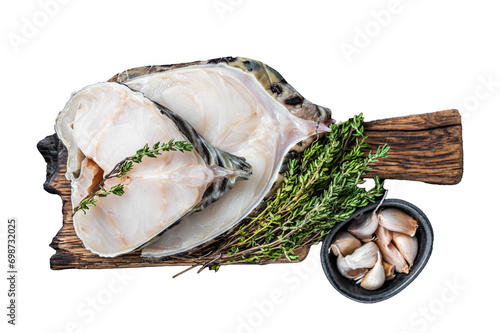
x,y
425,147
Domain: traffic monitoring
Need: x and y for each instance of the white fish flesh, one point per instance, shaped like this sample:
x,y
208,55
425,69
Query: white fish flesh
x,y
104,123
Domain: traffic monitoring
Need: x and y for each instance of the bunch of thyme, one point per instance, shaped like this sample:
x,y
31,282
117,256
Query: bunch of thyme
x,y
319,190
125,166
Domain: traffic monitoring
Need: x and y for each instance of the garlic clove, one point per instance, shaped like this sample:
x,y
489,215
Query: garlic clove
x,y
384,235
347,271
375,277
364,256
389,271
364,226
396,220
345,243
408,246
392,256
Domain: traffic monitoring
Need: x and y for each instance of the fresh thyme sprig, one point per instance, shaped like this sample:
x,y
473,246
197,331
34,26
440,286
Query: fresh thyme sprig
x,y
90,201
319,190
125,166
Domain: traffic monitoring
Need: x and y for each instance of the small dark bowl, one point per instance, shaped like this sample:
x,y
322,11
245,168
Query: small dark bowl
x,y
390,288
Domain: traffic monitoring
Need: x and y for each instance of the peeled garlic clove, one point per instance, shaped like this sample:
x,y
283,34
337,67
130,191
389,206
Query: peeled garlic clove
x,y
364,256
408,246
364,226
388,270
375,277
345,243
392,256
396,220
384,235
347,271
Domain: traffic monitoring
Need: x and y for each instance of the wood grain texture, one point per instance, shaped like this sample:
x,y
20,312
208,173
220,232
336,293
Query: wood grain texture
x,y
424,147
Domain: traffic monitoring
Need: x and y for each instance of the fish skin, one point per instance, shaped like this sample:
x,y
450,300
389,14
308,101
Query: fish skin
x,y
269,78
212,156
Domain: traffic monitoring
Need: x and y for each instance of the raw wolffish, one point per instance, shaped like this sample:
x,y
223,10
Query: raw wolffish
x,y
104,123
240,106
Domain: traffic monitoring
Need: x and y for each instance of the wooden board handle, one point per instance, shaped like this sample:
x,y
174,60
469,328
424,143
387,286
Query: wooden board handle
x,y
425,147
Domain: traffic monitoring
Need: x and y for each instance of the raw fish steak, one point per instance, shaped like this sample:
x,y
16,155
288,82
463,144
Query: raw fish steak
x,y
241,106
104,123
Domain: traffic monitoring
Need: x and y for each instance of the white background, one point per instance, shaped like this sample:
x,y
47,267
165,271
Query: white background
x,y
407,57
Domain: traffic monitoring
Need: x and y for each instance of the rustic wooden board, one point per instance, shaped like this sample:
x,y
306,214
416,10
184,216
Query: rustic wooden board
x,y
426,147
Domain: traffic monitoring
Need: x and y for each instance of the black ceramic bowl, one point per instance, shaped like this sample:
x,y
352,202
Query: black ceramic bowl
x,y
348,287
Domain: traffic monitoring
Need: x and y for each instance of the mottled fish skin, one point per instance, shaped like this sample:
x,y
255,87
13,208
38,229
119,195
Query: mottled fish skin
x,y
268,77
83,170
212,156
276,87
